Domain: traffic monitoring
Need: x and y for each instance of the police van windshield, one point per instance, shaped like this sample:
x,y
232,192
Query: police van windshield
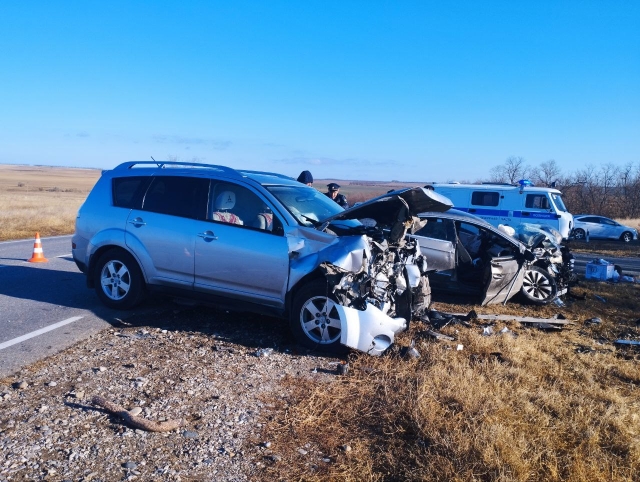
x,y
557,200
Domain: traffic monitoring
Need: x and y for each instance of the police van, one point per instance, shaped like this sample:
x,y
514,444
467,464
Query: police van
x,y
510,204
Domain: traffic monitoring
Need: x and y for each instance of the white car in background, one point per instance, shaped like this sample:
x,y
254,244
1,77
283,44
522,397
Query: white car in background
x,y
600,227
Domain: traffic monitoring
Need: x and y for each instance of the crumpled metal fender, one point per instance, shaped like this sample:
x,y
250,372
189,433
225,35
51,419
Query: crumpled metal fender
x,y
370,331
345,252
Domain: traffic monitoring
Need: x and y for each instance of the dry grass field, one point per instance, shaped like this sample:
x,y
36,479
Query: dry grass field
x,y
526,405
41,199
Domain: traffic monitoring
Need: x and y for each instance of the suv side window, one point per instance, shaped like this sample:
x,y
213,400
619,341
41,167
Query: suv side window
x,y
484,198
127,191
233,204
537,201
177,196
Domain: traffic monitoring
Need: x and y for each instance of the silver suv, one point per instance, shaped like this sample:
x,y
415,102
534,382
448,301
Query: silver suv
x,y
256,241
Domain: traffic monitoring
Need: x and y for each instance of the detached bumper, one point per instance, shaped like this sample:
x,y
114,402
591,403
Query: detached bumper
x,y
370,331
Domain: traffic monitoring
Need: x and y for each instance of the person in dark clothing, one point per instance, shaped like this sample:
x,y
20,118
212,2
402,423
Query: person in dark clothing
x,y
334,194
305,177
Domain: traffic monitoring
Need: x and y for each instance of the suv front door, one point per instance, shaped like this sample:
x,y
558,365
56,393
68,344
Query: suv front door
x,y
240,249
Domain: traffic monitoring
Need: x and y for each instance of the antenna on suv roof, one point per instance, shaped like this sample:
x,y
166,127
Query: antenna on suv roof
x,y
159,165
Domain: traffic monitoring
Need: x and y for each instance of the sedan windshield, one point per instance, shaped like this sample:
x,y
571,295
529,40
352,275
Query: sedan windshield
x,y
306,204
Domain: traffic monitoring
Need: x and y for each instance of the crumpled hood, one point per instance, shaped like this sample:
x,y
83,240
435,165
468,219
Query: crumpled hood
x,y
384,209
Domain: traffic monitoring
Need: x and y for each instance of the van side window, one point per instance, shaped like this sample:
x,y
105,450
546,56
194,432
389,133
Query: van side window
x,y
537,201
177,196
126,190
484,198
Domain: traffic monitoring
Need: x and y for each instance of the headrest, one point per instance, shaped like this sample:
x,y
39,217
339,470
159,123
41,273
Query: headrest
x,y
226,200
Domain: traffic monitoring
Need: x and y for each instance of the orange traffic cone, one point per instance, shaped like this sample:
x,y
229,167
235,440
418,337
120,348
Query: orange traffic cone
x,y
38,254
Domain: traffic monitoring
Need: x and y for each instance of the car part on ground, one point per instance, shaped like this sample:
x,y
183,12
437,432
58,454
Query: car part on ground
x,y
261,242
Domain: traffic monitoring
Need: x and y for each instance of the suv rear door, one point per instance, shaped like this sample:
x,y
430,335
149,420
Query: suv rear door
x,y
162,233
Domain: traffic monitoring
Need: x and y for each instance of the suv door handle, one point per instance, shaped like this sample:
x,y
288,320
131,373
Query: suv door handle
x,y
137,222
208,236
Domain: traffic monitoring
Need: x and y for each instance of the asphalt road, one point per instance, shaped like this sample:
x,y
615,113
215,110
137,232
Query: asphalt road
x,y
630,266
47,303
46,307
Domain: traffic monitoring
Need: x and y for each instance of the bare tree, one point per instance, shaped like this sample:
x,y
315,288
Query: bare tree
x,y
513,169
547,173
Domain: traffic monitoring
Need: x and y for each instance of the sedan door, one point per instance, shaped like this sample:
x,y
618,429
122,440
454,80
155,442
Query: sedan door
x,y
504,279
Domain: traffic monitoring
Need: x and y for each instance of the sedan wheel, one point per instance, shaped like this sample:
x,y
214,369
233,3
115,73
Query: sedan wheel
x,y
538,286
315,321
627,237
579,233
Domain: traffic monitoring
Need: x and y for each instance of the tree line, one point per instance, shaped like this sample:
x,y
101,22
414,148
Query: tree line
x,y
608,190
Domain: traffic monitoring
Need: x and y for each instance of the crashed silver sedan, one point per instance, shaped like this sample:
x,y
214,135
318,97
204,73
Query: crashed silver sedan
x,y
260,242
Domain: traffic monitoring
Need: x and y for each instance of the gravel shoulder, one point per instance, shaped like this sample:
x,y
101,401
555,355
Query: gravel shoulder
x,y
218,371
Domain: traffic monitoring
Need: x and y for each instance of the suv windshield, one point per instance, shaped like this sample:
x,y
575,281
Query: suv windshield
x,y
557,199
306,204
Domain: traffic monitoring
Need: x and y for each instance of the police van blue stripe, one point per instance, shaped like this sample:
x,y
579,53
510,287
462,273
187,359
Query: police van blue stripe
x,y
503,213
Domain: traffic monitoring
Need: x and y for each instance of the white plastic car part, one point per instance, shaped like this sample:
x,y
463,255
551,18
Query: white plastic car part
x,y
370,331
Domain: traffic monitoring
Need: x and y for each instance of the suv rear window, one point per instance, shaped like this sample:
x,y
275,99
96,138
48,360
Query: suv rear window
x,y
125,190
178,196
483,198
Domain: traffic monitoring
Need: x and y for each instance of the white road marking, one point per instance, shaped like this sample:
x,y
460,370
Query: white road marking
x,y
33,334
31,239
64,255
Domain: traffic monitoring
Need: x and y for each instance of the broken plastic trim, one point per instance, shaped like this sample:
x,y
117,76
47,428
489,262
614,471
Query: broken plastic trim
x,y
370,331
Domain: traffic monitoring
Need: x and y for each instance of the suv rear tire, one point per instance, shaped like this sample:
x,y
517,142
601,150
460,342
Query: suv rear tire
x,y
314,321
118,280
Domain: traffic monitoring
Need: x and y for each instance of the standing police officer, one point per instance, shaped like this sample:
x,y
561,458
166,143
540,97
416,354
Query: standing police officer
x,y
334,194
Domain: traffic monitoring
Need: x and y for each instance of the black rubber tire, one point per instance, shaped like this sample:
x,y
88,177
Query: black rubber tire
x,y
579,233
538,286
118,280
626,237
311,325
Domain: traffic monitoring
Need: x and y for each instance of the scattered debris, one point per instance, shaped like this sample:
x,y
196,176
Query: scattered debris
x,y
439,336
600,298
263,352
599,269
593,321
487,331
627,342
343,368
526,319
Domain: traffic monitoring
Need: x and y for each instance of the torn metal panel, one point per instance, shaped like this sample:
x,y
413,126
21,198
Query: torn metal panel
x,y
521,319
370,331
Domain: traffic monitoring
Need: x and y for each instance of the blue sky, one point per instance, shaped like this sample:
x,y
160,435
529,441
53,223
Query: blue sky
x,y
375,90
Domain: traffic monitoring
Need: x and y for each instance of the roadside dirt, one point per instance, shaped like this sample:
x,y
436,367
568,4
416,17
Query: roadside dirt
x,y
216,370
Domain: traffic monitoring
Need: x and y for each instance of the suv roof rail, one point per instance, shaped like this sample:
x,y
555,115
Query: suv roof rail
x,y
266,173
164,164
